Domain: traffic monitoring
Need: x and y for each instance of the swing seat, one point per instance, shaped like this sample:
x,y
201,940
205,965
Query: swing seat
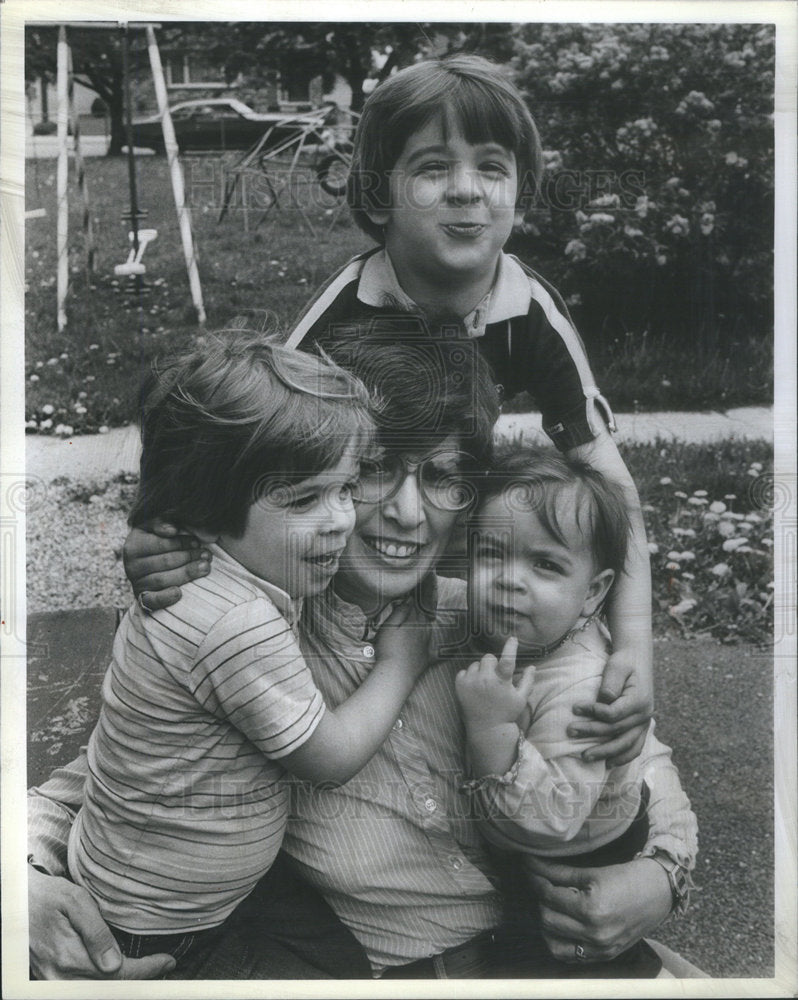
x,y
133,265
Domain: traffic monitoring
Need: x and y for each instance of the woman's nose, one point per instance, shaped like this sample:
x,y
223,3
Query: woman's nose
x,y
406,506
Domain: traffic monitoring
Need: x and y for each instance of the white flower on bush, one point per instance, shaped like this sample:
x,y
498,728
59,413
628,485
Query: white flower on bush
x,y
653,549
720,569
682,607
726,529
64,430
707,223
673,566
576,249
631,231
665,481
47,409
661,259
601,219
753,518
684,532
605,201
642,205
31,425
717,506
45,425
697,501
731,544
678,225
80,410
102,430
552,159
34,378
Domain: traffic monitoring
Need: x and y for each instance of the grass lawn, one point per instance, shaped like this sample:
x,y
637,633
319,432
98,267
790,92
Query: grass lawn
x,y
86,377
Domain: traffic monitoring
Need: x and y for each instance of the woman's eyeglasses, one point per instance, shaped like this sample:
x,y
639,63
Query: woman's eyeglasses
x,y
440,477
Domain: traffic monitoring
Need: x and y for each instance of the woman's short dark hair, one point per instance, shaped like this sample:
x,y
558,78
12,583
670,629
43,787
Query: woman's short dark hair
x,y
426,383
468,93
535,478
218,422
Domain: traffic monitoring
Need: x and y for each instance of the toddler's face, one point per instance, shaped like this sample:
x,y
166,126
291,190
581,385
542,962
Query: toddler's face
x,y
453,205
296,531
524,582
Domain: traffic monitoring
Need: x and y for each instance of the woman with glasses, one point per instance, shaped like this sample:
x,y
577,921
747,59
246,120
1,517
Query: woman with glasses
x,y
394,852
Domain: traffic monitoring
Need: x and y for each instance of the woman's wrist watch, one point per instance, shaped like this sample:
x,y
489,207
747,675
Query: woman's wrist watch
x,y
678,879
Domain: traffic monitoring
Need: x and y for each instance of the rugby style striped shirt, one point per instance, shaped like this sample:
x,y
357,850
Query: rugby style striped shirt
x,y
522,326
183,807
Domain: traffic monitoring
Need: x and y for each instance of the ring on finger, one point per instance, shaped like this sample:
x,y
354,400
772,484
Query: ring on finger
x,y
579,953
142,605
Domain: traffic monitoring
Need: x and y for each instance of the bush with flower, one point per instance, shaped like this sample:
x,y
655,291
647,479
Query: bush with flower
x,y
711,549
656,208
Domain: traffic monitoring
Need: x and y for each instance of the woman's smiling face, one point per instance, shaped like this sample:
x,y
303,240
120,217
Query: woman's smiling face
x,y
395,543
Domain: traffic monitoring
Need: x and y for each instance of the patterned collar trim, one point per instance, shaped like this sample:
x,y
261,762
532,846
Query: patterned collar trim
x,y
509,296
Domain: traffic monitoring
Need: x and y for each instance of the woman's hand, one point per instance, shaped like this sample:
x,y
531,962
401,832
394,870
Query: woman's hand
x,y
602,910
70,940
161,559
620,717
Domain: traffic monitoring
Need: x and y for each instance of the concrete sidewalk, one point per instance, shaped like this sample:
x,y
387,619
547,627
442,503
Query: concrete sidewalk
x,y
99,456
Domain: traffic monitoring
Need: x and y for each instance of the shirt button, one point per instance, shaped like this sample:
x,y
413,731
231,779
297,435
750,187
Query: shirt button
x,y
398,724
456,863
368,652
430,805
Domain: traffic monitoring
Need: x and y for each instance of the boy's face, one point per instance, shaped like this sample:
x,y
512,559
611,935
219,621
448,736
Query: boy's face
x,y
296,531
526,583
452,207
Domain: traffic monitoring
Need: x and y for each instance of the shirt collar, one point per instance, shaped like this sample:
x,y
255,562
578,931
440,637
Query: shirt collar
x,y
285,604
510,295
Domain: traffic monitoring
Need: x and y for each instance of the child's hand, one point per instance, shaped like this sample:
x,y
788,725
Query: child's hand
x,y
404,638
487,694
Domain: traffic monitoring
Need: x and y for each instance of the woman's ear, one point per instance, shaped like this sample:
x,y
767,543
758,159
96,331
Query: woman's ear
x,y
597,591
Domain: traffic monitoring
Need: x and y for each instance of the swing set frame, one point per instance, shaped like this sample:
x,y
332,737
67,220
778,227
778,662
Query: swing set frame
x,y
133,265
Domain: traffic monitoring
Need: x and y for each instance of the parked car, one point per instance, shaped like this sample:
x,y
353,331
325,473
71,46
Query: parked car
x,y
222,123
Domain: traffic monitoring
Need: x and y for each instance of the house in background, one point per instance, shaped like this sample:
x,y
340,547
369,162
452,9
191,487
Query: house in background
x,y
190,75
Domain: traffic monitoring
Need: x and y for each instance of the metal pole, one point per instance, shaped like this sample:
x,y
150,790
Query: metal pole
x,y
88,229
170,143
131,163
62,229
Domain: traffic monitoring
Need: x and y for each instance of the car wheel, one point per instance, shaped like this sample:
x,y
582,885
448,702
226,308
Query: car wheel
x,y
332,174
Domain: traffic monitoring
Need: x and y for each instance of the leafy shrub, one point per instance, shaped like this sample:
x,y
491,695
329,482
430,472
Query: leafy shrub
x,y
656,207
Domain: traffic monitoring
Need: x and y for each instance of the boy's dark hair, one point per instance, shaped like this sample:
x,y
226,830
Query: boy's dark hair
x,y
535,478
468,93
425,384
218,422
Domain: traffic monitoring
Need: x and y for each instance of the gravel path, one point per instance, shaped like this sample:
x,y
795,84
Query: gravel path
x,y
74,546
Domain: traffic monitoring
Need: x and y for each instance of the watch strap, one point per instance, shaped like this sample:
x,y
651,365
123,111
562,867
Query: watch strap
x,y
678,878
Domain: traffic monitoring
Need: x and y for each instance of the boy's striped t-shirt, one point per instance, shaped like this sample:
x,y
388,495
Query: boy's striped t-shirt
x,y
184,809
